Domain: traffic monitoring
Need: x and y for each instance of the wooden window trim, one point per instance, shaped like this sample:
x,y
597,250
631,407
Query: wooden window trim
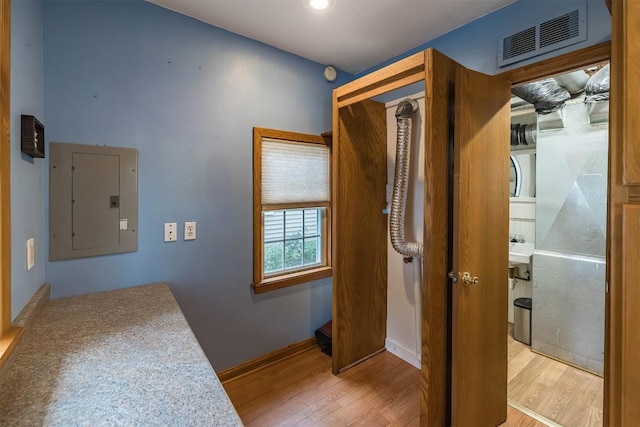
x,y
9,337
8,343
283,206
261,283
292,279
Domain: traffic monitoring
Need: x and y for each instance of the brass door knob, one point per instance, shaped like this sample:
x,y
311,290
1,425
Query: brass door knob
x,y
468,280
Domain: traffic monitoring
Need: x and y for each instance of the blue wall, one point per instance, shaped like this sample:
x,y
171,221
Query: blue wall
x,y
475,45
27,174
186,95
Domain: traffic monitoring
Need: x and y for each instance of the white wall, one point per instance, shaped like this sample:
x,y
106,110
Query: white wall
x,y
522,209
402,329
402,333
522,221
522,217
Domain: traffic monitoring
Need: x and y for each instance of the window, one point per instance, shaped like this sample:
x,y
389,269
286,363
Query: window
x,y
291,209
292,239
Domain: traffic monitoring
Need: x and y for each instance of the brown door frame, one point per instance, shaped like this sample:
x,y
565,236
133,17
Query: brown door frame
x,y
351,345
9,336
576,60
5,161
413,69
622,381
438,74
613,364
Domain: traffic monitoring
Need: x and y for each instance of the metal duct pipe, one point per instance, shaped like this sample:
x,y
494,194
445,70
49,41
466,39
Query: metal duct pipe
x,y
404,114
573,82
597,88
546,95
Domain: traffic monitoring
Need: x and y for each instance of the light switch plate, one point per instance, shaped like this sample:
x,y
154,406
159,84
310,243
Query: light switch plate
x,y
31,253
170,231
190,230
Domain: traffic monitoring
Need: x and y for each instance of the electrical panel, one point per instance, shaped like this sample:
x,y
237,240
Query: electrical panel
x,y
93,200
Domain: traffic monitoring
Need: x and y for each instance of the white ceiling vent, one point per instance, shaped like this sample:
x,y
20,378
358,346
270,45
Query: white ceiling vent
x,y
544,36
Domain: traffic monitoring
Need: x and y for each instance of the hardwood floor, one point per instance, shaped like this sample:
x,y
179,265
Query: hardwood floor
x,y
302,391
561,393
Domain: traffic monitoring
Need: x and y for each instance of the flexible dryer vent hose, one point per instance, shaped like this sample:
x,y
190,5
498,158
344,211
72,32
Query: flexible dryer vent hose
x,y
404,115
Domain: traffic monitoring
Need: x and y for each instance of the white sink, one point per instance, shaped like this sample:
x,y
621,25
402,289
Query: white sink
x,y
520,253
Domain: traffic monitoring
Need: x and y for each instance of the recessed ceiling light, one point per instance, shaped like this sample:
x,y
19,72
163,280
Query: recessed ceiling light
x,y
319,4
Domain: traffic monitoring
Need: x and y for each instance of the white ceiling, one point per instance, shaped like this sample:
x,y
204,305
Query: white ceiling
x,y
354,35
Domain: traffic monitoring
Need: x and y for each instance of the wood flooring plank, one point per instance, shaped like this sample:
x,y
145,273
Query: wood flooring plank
x,y
397,401
385,391
577,411
516,418
561,393
559,397
303,418
534,382
594,416
415,422
355,415
265,416
597,393
517,364
513,349
343,389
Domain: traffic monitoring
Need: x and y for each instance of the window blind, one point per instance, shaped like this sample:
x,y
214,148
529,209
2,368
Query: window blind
x,y
294,172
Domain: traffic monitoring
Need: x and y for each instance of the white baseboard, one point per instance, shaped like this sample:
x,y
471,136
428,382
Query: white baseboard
x,y
403,353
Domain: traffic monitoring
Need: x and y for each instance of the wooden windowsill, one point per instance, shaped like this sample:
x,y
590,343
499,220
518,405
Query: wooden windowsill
x,y
8,343
292,279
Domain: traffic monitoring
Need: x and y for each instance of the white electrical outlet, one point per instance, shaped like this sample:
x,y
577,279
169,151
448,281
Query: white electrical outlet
x,y
170,231
31,253
190,230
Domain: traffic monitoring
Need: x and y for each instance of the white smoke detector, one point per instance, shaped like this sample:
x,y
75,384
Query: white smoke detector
x,y
330,73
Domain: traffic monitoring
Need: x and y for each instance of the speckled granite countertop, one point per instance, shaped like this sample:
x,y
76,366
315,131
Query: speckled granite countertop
x,y
125,357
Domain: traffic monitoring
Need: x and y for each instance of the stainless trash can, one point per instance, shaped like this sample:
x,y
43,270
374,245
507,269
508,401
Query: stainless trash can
x,y
522,320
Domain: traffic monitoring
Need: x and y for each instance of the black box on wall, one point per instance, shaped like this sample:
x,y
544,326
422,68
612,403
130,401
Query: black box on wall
x,y
32,136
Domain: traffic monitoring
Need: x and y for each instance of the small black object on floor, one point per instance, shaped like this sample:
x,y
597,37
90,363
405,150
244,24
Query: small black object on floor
x,y
323,338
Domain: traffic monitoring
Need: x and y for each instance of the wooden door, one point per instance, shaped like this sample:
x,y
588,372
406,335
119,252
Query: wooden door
x,y
359,241
622,340
464,334
435,403
480,248
360,234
